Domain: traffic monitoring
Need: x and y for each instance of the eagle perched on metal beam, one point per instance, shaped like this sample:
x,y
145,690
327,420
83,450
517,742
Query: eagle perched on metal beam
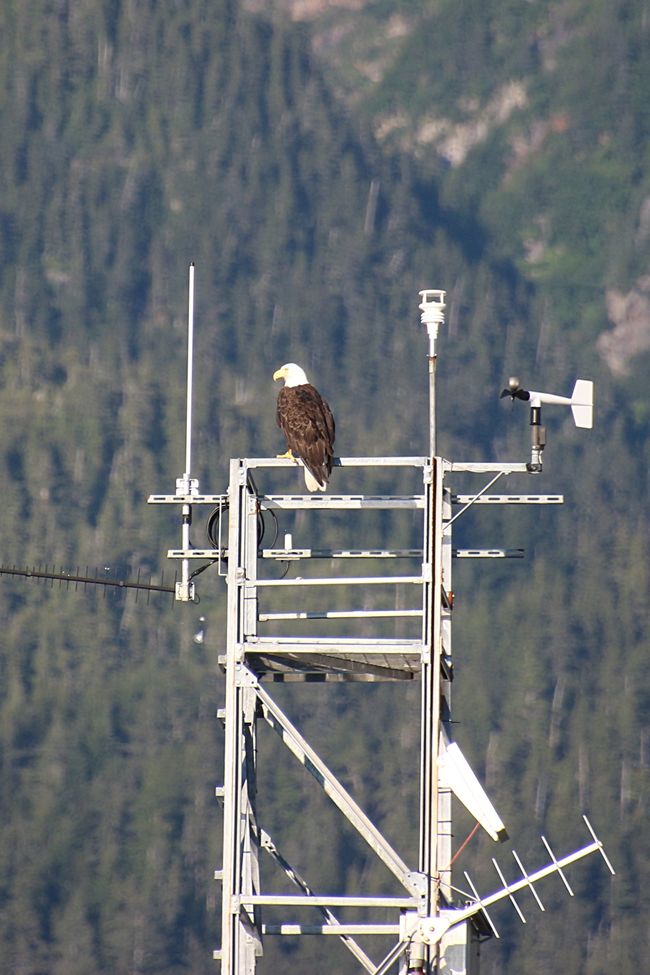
x,y
307,424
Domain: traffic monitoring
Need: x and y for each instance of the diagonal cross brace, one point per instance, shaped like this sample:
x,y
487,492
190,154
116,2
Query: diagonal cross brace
x,y
293,875
341,798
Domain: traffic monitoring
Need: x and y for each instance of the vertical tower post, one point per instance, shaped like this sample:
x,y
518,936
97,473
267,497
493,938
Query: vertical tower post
x,y
240,874
432,307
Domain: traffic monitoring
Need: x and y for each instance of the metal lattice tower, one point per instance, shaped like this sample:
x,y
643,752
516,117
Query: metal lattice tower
x,y
254,659
270,638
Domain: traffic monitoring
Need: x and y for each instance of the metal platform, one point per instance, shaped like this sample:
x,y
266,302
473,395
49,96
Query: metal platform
x,y
284,659
404,598
272,584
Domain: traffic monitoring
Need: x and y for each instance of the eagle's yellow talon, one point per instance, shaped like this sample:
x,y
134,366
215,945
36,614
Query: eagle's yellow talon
x,y
287,456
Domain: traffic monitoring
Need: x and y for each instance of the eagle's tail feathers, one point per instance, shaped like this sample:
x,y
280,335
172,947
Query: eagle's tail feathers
x,y
313,484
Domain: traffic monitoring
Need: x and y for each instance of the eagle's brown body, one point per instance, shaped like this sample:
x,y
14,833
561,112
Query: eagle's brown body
x,y
308,426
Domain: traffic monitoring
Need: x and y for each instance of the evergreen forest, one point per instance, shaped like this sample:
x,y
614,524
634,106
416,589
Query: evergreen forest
x,y
320,163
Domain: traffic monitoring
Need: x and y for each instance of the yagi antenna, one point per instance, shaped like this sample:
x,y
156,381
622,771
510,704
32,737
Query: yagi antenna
x,y
432,929
67,577
581,402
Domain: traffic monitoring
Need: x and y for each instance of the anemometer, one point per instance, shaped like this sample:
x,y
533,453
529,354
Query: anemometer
x,y
581,402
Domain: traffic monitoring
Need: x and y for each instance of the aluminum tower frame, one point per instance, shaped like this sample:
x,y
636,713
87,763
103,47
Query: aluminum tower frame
x,y
432,933
252,659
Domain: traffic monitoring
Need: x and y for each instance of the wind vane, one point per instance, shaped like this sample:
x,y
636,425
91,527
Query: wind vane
x,y
581,402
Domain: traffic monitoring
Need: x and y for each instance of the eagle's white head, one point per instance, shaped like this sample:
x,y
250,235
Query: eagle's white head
x,y
292,374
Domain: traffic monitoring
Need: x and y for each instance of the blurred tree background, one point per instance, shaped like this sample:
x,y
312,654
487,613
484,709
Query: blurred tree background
x,y
321,163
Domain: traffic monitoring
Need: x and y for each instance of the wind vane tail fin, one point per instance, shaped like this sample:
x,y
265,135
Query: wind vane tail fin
x,y
582,403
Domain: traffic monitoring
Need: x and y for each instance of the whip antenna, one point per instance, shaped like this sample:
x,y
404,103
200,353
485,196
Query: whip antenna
x,y
187,490
186,485
190,369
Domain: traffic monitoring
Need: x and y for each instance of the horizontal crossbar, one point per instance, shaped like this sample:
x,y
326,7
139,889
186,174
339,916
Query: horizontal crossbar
x,y
312,900
335,646
338,581
187,499
490,467
342,462
350,614
196,553
315,502
508,499
488,553
337,929
341,553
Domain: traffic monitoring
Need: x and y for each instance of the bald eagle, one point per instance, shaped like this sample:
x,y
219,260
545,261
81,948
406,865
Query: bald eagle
x,y
307,423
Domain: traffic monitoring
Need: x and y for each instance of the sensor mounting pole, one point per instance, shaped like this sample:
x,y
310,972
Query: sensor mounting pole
x,y
432,307
537,440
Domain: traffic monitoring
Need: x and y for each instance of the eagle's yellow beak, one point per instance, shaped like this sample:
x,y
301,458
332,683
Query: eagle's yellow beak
x,y
279,374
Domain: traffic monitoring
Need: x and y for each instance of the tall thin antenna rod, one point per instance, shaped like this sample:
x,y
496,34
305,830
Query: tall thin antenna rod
x,y
186,485
190,366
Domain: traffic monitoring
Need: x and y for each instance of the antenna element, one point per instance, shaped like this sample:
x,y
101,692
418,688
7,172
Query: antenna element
x,y
186,485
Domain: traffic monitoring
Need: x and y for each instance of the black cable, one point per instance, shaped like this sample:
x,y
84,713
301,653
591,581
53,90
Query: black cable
x,y
202,568
277,527
213,530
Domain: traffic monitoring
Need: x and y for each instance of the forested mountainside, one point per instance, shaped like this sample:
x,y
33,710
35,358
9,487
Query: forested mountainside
x,y
532,117
320,164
